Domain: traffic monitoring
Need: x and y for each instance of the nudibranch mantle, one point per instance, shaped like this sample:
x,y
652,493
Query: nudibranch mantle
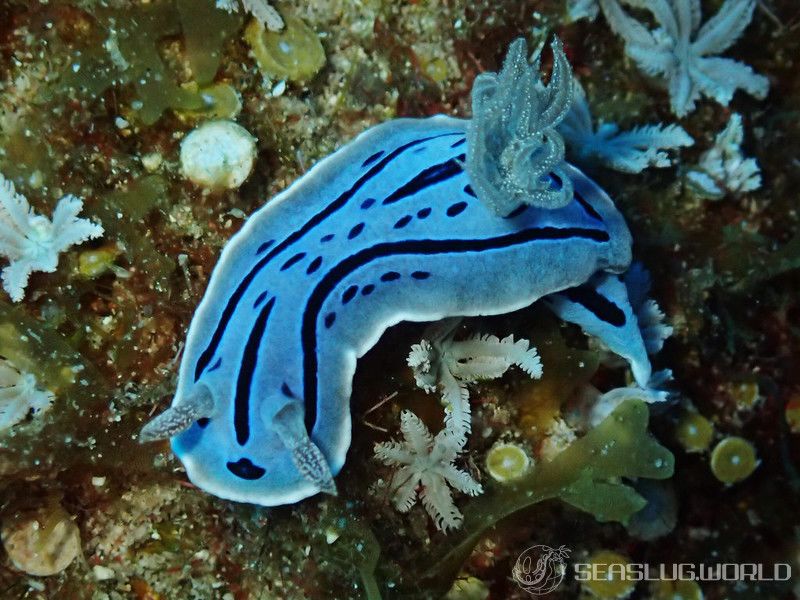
x,y
414,220
387,229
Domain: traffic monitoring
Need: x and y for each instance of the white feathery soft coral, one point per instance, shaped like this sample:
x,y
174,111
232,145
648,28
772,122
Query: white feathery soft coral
x,y
683,50
439,361
33,242
626,151
425,461
19,395
723,168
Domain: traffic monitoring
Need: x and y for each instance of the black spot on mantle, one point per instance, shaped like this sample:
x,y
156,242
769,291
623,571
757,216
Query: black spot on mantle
x,y
245,469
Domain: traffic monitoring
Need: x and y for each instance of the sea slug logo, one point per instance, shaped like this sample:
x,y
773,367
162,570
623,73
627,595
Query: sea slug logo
x,y
540,569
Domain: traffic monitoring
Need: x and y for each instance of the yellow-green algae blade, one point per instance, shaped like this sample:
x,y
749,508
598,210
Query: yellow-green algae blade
x,y
585,475
131,54
205,29
352,544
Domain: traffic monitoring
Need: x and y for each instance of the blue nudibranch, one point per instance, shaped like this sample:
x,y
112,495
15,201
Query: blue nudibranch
x,y
389,228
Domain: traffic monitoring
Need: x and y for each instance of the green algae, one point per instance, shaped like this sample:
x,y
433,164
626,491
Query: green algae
x,y
606,500
585,475
131,54
295,53
770,265
352,543
36,346
121,213
156,89
25,155
138,198
76,431
205,30
567,370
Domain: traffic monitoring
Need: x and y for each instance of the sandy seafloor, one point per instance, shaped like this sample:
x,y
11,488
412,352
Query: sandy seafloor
x,y
104,332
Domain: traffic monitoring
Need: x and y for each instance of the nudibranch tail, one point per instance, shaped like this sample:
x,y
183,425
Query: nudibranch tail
x,y
179,417
290,426
602,309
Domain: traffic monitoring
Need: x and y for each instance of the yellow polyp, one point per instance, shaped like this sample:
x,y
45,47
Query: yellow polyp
x,y
733,460
93,263
67,375
506,462
528,423
608,576
437,69
539,406
745,394
220,101
295,53
566,370
694,432
205,30
792,413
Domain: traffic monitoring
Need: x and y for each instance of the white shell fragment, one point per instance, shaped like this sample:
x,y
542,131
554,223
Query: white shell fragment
x,y
218,155
42,542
